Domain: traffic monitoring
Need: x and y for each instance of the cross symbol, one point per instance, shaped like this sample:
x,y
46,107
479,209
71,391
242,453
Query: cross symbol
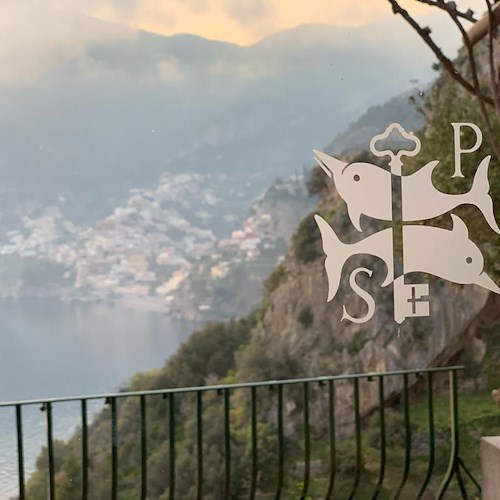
x,y
413,301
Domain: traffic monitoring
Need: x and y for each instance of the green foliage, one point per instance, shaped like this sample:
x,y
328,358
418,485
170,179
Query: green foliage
x,y
305,317
419,331
316,182
491,361
208,353
445,106
256,363
305,242
275,278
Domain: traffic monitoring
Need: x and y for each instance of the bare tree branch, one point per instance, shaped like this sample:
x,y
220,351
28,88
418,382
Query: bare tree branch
x,y
441,4
475,78
447,63
494,84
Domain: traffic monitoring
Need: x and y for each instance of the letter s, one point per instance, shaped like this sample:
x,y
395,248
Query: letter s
x,y
363,294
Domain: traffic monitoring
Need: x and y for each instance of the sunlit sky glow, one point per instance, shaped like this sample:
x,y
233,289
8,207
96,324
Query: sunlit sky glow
x,y
39,35
241,21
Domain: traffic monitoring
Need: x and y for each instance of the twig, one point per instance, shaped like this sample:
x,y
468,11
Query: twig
x,y
495,87
475,79
441,4
447,64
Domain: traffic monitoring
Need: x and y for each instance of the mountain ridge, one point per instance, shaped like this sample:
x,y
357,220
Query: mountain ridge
x,y
117,108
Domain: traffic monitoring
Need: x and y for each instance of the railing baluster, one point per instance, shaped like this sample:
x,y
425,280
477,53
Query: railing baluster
x,y
453,461
357,432
114,450
331,429
227,444
307,442
171,432
406,416
281,440
144,450
430,413
381,403
85,451
199,443
20,451
253,480
47,408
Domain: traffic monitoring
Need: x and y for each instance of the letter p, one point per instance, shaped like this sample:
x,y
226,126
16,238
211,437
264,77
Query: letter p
x,y
458,146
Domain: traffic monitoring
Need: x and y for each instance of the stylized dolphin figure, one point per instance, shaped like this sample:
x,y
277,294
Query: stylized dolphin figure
x,y
366,188
447,254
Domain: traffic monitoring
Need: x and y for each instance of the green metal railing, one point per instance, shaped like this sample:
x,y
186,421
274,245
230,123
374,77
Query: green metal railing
x,y
326,387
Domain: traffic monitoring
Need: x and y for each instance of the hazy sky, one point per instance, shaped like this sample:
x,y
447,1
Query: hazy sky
x,y
238,21
39,35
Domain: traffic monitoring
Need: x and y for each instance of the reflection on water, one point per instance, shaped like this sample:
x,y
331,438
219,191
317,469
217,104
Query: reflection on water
x,y
49,349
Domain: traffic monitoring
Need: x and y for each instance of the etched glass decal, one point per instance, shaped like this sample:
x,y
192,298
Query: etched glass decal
x,y
370,190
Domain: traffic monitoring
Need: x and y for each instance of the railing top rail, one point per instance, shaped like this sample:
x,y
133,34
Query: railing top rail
x,y
219,387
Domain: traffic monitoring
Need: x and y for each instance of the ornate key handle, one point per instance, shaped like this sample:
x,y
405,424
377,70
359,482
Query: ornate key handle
x,y
396,162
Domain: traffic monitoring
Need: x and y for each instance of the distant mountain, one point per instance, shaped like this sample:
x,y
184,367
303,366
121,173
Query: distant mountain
x,y
404,109
92,109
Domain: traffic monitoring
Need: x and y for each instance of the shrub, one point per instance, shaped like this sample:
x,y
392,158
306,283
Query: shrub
x,y
304,241
274,279
356,344
316,181
305,317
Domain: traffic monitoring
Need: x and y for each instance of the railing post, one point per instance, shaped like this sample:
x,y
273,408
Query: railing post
x,y
144,449
114,450
253,405
307,442
381,410
20,451
430,420
199,443
47,408
227,444
85,451
281,443
331,430
171,432
406,416
453,460
357,433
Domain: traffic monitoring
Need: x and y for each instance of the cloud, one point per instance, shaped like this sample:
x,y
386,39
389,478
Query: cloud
x,y
170,71
36,40
39,36
245,21
248,11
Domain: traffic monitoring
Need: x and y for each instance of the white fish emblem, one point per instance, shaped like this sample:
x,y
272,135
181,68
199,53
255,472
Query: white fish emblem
x,y
447,254
366,189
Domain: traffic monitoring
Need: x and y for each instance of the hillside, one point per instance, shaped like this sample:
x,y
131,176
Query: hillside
x,y
405,109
